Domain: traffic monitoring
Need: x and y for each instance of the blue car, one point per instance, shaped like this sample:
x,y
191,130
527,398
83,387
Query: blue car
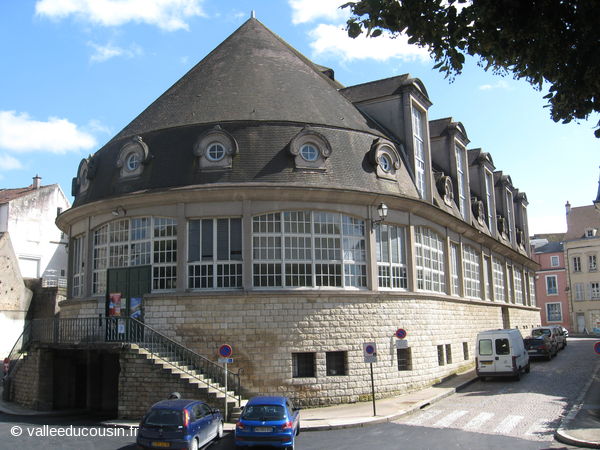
x,y
179,424
268,421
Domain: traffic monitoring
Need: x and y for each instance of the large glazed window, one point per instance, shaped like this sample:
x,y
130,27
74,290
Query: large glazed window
x,y
308,249
499,284
454,266
518,286
471,272
215,253
77,266
136,242
391,256
419,148
429,250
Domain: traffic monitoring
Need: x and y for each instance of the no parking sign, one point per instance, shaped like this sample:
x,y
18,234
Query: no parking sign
x,y
370,352
597,347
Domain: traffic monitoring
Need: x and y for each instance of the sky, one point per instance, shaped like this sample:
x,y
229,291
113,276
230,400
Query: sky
x,y
73,73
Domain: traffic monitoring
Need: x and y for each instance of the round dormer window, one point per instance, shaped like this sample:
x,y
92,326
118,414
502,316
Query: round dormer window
x,y
385,162
309,152
216,152
133,161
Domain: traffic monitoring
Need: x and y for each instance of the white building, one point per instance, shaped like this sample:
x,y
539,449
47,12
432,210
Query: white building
x,y
28,215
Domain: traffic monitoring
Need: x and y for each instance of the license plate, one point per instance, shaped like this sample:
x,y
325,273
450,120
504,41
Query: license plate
x,y
161,444
532,351
486,363
263,429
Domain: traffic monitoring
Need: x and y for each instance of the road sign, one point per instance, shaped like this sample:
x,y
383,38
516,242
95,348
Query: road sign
x,y
226,360
370,352
597,347
400,333
225,351
401,343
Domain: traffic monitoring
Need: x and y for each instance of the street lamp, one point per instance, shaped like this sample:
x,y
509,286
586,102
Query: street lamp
x,y
382,210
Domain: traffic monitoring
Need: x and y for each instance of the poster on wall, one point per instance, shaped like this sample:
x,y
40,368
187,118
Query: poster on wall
x,y
114,304
136,308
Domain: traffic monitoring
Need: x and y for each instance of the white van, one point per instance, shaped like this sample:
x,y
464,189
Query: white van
x,y
501,353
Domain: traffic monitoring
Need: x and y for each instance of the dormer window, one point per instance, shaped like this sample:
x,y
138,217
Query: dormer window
x,y
419,151
133,161
461,182
489,199
215,149
385,159
310,150
216,152
133,155
590,232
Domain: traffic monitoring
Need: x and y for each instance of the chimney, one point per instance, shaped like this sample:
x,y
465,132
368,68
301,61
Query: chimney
x,y
568,207
36,182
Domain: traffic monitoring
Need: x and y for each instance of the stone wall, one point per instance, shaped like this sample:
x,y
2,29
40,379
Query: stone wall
x,y
265,328
31,381
143,383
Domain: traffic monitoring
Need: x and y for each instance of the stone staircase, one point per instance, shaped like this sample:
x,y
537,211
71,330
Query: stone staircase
x,y
207,388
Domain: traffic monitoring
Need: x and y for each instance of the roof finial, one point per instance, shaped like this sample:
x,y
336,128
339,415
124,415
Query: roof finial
x,y
252,14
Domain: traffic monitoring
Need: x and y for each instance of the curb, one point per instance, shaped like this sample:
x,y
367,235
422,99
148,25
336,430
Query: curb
x,y
561,434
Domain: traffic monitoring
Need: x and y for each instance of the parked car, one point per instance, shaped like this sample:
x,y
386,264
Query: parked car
x,y
179,423
541,346
561,337
501,353
268,421
552,333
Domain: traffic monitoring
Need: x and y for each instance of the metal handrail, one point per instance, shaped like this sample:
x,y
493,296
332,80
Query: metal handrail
x,y
18,349
132,331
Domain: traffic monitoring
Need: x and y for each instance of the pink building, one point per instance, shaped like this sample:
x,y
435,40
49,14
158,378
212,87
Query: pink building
x,y
551,285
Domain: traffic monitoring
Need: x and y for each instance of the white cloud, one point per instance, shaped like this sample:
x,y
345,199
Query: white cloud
x,y
169,15
20,133
108,51
304,11
501,84
8,162
333,40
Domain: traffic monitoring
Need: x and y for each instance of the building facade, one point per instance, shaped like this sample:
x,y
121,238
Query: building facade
x,y
551,284
28,214
261,204
582,250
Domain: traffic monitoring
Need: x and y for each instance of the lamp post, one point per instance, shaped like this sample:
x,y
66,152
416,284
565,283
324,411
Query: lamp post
x,y
382,211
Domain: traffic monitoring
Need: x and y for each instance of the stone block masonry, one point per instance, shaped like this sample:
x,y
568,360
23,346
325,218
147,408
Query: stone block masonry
x,y
143,383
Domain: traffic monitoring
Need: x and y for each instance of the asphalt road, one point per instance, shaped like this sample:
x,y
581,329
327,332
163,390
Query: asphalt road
x,y
499,414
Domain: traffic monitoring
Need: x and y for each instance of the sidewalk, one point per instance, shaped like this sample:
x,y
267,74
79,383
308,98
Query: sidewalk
x,y
581,427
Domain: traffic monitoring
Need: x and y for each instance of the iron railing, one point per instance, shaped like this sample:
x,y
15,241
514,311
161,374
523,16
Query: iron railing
x,y
19,349
131,331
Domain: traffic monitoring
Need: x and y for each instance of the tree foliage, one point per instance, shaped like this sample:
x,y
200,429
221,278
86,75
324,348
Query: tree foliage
x,y
553,42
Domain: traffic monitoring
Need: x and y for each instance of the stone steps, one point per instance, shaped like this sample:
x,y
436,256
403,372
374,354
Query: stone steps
x,y
201,382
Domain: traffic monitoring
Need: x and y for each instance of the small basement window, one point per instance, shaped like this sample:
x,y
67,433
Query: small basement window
x,y
336,363
440,352
448,354
303,365
404,359
466,350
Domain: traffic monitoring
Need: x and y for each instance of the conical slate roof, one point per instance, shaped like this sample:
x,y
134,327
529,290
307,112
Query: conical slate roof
x,y
238,82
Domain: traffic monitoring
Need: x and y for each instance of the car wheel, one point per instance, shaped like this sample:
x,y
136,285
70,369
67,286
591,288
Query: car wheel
x,y
298,429
194,444
549,356
528,368
219,431
518,375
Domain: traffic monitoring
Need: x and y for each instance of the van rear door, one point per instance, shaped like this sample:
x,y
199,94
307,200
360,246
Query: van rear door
x,y
503,356
494,354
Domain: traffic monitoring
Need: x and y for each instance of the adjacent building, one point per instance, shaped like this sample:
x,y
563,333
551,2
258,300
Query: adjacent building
x,y
551,281
261,204
28,215
582,251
